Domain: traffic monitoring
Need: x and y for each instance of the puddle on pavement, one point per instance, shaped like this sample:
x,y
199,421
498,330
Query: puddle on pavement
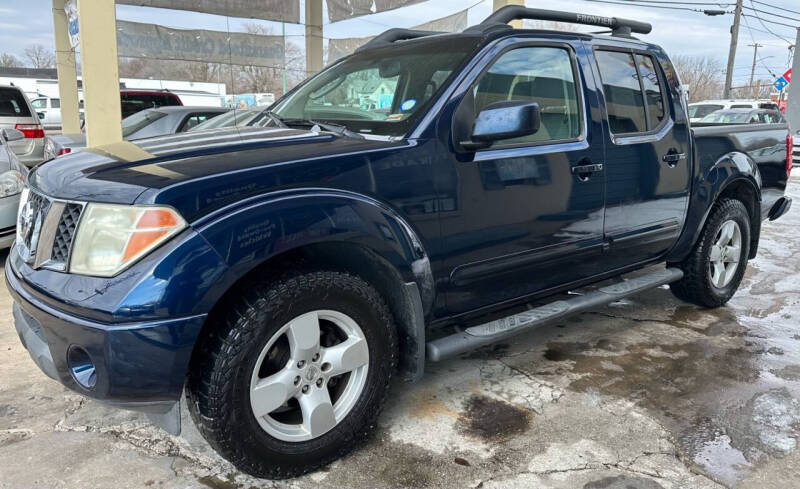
x,y
492,419
711,390
623,482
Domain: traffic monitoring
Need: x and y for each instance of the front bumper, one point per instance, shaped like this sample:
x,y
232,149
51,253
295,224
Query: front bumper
x,y
138,365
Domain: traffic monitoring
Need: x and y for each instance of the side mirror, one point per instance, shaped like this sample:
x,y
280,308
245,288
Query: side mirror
x,y
10,135
41,115
503,120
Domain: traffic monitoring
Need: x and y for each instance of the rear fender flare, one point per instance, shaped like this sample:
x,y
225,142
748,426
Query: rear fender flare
x,y
732,168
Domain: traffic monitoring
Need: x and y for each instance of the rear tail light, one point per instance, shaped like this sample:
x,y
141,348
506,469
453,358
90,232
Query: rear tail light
x,y
64,151
789,149
30,131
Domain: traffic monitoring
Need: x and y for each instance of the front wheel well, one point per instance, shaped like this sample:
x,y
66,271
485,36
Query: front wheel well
x,y
342,257
744,192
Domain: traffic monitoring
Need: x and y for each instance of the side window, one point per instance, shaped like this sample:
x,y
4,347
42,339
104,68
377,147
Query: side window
x,y
39,103
55,103
536,74
653,94
623,92
634,93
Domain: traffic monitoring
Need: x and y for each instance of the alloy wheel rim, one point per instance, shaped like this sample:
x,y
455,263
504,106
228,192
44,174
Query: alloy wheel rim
x,y
309,375
725,254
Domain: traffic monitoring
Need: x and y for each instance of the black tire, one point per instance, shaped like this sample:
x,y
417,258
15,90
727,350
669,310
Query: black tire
x,y
218,386
696,286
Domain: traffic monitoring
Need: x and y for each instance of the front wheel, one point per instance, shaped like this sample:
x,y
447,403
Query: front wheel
x,y
294,376
716,266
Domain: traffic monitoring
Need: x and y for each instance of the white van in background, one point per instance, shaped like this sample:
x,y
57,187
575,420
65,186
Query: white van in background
x,y
698,110
49,111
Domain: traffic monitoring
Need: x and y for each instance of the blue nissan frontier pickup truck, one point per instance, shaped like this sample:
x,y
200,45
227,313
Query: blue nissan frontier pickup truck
x,y
280,274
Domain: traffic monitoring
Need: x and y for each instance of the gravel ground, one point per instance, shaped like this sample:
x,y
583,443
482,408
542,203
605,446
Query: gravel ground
x,y
648,393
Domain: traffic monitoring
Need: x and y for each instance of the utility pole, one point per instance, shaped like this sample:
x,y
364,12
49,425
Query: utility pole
x,y
755,57
793,102
732,53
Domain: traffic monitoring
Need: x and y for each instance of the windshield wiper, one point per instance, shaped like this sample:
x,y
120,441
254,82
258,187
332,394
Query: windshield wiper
x,y
339,129
275,118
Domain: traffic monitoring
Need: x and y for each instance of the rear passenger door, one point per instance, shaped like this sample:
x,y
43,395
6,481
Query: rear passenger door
x,y
647,155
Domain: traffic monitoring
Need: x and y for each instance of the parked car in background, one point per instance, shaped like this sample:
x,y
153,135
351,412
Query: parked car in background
x,y
235,117
145,124
136,100
17,113
12,181
796,152
744,116
698,110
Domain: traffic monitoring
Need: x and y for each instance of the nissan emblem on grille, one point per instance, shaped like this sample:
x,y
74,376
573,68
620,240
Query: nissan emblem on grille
x,y
31,218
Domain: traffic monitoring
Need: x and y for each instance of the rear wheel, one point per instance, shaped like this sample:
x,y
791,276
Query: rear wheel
x,y
295,375
714,269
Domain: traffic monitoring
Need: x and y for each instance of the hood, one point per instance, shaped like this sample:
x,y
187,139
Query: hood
x,y
128,172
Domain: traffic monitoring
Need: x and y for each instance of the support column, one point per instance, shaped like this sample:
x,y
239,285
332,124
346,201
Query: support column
x,y
97,22
498,4
313,36
67,74
793,102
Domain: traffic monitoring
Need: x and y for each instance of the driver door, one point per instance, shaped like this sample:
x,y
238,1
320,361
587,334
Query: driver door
x,y
522,215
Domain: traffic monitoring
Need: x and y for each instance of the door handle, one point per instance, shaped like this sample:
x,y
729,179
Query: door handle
x,y
673,157
585,171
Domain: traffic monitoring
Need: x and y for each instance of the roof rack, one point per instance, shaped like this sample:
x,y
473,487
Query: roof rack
x,y
619,27
395,34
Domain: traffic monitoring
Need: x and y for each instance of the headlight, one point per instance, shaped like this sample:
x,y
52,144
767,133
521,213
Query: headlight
x,y
111,237
11,183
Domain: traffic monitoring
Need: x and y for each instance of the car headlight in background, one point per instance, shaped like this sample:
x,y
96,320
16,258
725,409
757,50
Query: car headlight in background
x,y
111,237
11,183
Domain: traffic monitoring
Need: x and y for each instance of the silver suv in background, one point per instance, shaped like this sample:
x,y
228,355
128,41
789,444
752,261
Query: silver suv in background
x,y
12,182
17,113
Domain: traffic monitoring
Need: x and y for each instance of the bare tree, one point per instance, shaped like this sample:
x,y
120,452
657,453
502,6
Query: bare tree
x,y
270,79
40,57
701,74
9,61
761,89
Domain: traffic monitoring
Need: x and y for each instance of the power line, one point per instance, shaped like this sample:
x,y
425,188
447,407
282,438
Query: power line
x,y
631,3
776,7
772,14
716,4
773,22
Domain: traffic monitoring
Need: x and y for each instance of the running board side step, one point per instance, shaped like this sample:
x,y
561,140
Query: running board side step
x,y
500,329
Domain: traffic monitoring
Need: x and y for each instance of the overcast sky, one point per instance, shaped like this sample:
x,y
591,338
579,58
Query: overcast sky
x,y
24,22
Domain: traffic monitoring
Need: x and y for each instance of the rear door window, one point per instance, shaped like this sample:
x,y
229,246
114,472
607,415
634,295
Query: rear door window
x,y
13,103
740,106
55,103
633,90
653,95
624,100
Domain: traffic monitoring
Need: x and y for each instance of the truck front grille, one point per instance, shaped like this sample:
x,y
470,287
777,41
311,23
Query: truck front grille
x,y
62,242
46,229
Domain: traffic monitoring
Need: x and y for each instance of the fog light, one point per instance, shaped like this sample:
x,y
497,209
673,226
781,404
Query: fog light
x,y
81,367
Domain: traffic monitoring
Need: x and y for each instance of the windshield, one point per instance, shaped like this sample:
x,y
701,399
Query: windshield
x,y
722,117
379,91
699,111
140,120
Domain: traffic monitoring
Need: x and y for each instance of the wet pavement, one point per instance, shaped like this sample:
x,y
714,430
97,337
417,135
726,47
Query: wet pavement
x,y
648,393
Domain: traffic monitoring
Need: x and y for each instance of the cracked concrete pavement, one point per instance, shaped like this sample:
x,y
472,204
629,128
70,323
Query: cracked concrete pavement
x,y
647,393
